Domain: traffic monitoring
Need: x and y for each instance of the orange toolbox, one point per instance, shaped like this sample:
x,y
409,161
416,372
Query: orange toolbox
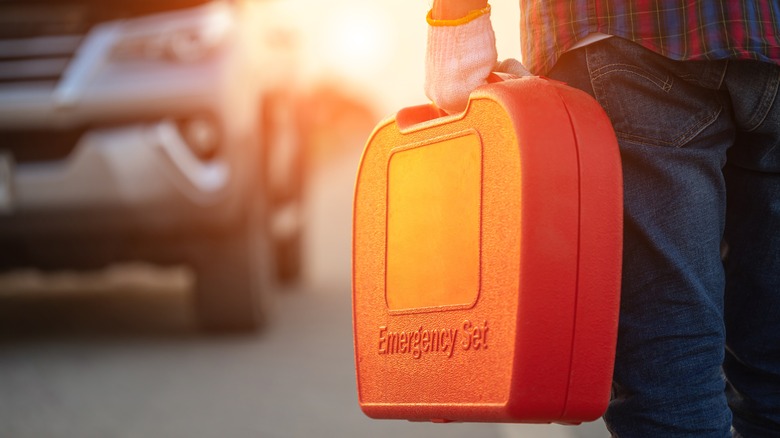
x,y
486,259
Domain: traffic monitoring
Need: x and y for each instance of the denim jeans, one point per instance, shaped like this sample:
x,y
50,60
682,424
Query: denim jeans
x,y
699,336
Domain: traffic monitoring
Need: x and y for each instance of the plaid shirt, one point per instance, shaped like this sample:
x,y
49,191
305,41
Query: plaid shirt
x,y
678,29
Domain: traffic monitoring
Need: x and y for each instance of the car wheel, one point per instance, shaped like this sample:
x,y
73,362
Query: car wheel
x,y
288,258
232,290
284,184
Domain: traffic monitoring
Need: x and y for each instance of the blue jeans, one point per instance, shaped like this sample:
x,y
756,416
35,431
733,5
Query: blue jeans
x,y
699,336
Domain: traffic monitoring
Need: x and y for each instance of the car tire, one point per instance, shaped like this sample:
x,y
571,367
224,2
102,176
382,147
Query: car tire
x,y
284,184
288,258
233,291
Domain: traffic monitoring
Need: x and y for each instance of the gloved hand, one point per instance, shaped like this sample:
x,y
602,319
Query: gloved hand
x,y
459,59
513,67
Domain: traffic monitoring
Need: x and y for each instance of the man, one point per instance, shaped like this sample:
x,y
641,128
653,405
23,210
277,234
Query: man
x,y
691,90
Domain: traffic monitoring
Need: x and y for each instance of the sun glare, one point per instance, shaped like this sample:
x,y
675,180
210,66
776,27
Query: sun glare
x,y
356,41
378,46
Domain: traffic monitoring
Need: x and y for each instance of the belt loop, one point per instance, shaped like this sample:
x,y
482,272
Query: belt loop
x,y
722,78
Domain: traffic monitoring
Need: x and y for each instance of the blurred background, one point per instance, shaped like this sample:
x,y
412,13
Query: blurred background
x,y
175,213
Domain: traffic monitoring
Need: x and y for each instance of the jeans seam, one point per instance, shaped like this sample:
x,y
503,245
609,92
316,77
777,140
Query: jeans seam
x,y
697,127
763,108
664,84
593,84
723,71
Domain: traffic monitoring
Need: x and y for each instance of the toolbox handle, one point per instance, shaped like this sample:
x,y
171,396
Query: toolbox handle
x,y
407,117
498,76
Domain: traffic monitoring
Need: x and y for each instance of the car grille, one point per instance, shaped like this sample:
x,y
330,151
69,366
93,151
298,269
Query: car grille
x,y
38,40
36,59
39,145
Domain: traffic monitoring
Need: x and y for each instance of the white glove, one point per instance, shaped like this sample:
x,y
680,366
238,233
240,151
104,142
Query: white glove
x,y
513,67
458,60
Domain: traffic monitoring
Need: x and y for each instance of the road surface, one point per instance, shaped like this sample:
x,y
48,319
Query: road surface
x,y
116,353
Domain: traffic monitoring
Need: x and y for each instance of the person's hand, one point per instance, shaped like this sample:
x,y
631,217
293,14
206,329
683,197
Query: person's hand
x,y
459,58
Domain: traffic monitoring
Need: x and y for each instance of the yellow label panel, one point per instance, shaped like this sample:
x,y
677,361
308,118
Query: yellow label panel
x,y
433,225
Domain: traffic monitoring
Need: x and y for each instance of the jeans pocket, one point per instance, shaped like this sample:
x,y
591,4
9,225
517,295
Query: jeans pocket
x,y
647,99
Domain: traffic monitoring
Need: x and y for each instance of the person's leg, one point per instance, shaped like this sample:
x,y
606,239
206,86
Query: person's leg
x,y
752,263
673,127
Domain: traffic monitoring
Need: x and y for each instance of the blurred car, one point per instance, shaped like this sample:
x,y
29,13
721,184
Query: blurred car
x,y
162,131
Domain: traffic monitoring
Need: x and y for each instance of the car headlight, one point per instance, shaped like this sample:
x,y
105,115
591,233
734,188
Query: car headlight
x,y
183,38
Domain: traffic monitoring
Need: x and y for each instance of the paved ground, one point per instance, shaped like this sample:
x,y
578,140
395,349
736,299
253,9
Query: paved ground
x,y
115,354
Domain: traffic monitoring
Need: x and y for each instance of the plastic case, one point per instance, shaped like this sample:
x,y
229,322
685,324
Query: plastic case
x,y
486,259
